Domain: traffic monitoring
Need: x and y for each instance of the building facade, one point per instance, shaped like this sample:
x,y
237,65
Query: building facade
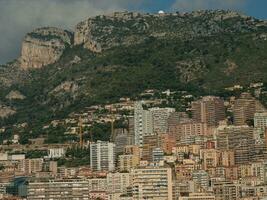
x,y
102,156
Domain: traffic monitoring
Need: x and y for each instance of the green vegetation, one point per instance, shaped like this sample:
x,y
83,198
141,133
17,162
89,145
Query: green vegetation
x,y
201,55
76,156
35,154
2,167
57,135
44,37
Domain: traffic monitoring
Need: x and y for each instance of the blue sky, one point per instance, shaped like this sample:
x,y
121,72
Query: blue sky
x,y
256,8
17,17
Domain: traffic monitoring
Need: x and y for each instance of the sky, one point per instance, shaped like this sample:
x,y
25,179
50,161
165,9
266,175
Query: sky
x,y
17,17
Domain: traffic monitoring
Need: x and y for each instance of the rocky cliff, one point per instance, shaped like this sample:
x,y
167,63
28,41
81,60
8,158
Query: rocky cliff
x,y
127,28
43,46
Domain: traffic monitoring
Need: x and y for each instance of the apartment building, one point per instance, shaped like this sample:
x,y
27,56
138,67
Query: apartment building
x,y
128,162
143,123
153,182
244,109
102,156
209,109
160,119
58,189
237,138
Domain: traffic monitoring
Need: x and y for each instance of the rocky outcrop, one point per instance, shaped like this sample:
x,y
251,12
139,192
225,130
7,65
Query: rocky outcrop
x,y
15,95
43,46
191,69
126,28
6,111
67,86
83,35
96,36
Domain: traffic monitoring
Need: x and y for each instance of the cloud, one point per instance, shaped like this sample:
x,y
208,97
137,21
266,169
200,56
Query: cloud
x,y
17,17
189,5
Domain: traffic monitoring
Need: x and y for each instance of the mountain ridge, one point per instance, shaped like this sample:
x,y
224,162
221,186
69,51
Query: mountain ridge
x,y
125,53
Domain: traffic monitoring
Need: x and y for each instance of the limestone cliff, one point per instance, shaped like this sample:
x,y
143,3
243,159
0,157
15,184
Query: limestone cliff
x,y
43,46
126,28
6,111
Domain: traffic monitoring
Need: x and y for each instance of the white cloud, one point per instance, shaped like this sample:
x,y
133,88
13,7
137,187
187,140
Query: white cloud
x,y
17,17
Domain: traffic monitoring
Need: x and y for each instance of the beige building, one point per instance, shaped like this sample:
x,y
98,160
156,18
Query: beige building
x,y
211,158
153,183
118,182
226,190
150,143
57,190
189,128
244,109
198,196
227,158
260,120
239,139
209,109
29,166
128,162
132,149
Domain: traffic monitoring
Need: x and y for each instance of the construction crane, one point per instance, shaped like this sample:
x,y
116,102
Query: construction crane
x,y
113,135
90,134
81,132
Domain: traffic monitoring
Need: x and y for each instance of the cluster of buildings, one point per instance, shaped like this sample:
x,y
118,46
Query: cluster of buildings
x,y
215,151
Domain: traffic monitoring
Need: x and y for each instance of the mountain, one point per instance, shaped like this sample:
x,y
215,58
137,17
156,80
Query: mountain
x,y
110,56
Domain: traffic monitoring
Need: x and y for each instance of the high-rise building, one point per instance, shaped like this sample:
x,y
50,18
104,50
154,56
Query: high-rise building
x,y
160,119
131,130
102,156
153,183
209,109
121,140
260,120
189,128
150,143
244,109
237,138
143,123
176,118
168,141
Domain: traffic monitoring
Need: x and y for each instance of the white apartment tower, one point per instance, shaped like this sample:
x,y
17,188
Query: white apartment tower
x,y
102,156
143,123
